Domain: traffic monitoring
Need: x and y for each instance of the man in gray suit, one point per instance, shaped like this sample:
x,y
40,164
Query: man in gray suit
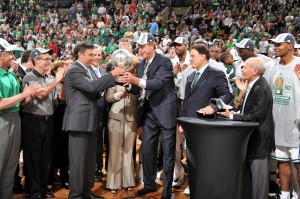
x,y
81,119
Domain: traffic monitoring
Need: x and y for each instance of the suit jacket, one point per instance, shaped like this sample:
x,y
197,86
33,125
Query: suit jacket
x,y
160,90
21,72
124,109
102,105
212,84
81,112
258,108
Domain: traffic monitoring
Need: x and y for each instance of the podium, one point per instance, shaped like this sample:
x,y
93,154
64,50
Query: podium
x,y
216,152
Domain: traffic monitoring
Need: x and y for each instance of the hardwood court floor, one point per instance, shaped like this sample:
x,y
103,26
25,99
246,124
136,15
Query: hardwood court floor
x,y
99,189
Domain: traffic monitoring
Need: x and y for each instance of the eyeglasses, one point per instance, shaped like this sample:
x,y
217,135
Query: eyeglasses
x,y
46,59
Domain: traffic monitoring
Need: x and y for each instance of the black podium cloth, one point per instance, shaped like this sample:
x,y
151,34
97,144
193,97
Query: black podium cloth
x,y
216,152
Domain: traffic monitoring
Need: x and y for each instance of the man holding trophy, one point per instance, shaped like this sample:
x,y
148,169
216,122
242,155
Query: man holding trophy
x,y
155,83
81,117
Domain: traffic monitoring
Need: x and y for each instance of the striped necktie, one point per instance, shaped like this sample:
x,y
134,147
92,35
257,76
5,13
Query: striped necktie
x,y
195,80
143,90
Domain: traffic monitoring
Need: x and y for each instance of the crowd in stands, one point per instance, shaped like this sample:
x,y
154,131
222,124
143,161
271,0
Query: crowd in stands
x,y
37,24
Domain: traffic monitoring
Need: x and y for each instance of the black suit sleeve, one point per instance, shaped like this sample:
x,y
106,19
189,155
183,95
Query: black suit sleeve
x,y
163,74
221,87
258,109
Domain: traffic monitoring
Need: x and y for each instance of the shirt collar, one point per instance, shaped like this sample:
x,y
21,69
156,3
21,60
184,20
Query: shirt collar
x,y
24,68
3,72
252,83
38,74
94,68
82,65
202,69
150,60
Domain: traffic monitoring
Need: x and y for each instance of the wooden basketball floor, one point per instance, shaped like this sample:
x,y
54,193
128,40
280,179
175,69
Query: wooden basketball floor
x,y
99,189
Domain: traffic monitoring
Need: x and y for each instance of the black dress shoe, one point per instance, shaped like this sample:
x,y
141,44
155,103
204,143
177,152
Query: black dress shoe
x,y
48,195
144,191
65,186
96,197
98,179
18,189
99,173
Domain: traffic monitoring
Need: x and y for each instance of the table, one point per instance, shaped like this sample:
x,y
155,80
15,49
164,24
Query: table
x,y
216,152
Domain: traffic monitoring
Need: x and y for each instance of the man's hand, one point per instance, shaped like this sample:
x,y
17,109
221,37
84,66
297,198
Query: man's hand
x,y
242,85
60,74
207,110
184,67
176,69
14,67
297,70
129,79
118,71
180,129
226,113
31,90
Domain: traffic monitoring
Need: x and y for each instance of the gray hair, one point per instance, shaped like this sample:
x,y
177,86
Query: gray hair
x,y
258,64
98,47
127,44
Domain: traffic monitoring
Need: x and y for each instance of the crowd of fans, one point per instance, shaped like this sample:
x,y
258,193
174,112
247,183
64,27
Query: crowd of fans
x,y
34,24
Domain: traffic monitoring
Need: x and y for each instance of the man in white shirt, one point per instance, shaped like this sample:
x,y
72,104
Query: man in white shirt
x,y
101,9
257,107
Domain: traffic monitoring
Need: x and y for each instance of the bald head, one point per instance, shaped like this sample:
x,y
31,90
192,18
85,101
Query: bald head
x,y
258,64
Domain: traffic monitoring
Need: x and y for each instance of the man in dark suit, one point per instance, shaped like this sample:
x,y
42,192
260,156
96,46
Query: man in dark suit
x,y
25,67
257,107
26,64
204,84
157,113
97,71
81,119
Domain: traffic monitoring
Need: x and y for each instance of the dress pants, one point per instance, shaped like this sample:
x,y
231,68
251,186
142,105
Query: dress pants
x,y
60,151
120,171
10,139
256,179
151,131
82,158
178,168
38,144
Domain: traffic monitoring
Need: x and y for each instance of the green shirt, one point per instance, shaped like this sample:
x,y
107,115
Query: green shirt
x,y
115,35
94,10
229,45
122,32
144,15
9,87
215,30
111,48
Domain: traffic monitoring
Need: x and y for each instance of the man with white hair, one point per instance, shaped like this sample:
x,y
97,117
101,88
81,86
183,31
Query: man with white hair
x,y
257,107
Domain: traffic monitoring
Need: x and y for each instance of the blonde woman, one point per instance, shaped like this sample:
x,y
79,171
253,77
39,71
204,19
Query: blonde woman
x,y
122,128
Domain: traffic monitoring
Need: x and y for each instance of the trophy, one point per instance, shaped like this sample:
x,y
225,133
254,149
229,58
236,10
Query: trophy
x,y
121,58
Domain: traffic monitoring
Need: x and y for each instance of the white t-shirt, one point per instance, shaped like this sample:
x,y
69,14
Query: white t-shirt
x,y
263,46
286,103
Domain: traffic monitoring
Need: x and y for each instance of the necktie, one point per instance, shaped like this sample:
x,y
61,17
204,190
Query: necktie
x,y
91,75
246,96
143,90
195,80
97,72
